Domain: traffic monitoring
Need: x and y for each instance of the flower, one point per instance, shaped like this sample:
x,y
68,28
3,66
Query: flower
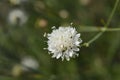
x,y
64,42
17,16
29,63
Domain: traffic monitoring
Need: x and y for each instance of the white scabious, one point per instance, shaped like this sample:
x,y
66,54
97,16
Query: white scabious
x,y
64,42
17,16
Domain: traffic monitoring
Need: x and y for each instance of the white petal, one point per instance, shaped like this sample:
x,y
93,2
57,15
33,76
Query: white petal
x,y
71,53
68,59
77,43
78,35
62,58
59,55
76,49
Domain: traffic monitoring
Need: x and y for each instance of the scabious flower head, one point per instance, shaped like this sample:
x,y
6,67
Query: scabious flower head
x,y
64,42
17,16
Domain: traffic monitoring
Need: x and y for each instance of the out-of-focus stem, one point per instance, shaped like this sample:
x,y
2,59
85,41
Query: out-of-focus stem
x,y
105,26
96,29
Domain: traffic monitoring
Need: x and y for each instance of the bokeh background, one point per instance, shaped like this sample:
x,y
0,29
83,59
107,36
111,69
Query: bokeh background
x,y
21,41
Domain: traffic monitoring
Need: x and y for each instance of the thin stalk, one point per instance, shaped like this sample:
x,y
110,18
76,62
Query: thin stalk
x,y
106,25
95,29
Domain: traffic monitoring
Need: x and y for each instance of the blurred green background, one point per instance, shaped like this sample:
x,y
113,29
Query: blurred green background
x,y
99,61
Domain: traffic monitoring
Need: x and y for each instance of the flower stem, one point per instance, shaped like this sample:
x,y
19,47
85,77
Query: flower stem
x,y
98,29
105,26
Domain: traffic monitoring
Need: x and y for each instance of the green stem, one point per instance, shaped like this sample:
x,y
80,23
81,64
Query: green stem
x,y
112,13
106,25
113,29
95,29
95,38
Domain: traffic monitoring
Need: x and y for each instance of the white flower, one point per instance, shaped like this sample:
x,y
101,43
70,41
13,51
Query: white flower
x,y
29,62
64,42
17,16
